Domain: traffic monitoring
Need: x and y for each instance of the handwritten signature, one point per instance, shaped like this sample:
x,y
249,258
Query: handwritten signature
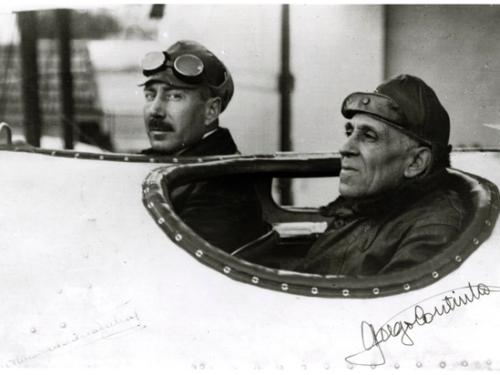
x,y
372,338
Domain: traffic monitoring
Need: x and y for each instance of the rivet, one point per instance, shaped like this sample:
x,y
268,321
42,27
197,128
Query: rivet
x,y
199,253
365,100
488,223
376,291
33,330
255,280
435,275
475,241
464,363
161,220
284,287
226,269
419,364
175,160
442,364
345,292
406,287
101,157
200,160
146,190
396,366
63,325
314,290
151,160
458,259
125,158
52,153
202,366
178,237
488,362
151,205
77,155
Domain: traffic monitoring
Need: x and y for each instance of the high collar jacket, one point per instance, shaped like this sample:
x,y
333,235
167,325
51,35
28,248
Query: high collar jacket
x,y
224,211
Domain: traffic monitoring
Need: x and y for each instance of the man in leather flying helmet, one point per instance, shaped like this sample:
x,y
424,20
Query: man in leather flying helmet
x,y
186,89
396,208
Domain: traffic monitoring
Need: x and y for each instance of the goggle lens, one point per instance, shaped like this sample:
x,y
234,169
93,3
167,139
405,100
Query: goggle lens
x,y
153,60
186,65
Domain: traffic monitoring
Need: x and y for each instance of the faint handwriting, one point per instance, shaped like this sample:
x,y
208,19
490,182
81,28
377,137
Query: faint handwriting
x,y
111,328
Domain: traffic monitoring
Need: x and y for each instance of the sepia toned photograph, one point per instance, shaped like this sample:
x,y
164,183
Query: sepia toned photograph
x,y
249,187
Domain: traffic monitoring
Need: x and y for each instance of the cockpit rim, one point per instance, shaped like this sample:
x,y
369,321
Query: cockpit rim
x,y
160,208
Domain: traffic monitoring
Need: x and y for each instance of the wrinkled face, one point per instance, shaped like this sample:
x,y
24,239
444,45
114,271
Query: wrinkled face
x,y
374,157
174,117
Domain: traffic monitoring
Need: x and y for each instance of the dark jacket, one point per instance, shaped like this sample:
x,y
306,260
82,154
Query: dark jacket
x,y
392,232
224,211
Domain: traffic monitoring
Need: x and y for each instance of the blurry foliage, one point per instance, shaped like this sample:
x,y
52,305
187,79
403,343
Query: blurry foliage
x,y
84,25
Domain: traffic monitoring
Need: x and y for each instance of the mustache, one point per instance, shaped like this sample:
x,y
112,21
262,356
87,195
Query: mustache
x,y
159,124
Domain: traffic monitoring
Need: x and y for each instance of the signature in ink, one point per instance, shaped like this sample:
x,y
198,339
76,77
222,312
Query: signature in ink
x,y
372,338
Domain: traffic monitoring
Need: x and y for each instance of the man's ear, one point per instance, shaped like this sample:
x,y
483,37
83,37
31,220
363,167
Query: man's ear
x,y
212,109
420,160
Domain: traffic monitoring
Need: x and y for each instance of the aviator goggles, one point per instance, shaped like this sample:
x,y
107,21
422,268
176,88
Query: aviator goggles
x,y
187,66
187,70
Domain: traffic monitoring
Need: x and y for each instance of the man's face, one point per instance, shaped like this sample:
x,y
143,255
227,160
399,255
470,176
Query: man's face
x,y
174,117
373,158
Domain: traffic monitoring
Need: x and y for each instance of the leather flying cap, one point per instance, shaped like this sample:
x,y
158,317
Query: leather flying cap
x,y
213,73
407,104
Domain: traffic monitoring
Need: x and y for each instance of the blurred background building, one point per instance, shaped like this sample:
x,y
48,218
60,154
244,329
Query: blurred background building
x,y
334,50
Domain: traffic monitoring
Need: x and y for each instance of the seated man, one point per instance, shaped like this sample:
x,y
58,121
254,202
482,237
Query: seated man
x,y
395,209
186,89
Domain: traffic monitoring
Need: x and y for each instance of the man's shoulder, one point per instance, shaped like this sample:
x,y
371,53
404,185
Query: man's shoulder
x,y
441,206
219,142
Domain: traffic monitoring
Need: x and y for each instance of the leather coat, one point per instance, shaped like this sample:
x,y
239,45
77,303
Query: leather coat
x,y
389,233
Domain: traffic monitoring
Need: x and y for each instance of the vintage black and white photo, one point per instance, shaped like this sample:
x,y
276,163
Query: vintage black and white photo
x,y
250,187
